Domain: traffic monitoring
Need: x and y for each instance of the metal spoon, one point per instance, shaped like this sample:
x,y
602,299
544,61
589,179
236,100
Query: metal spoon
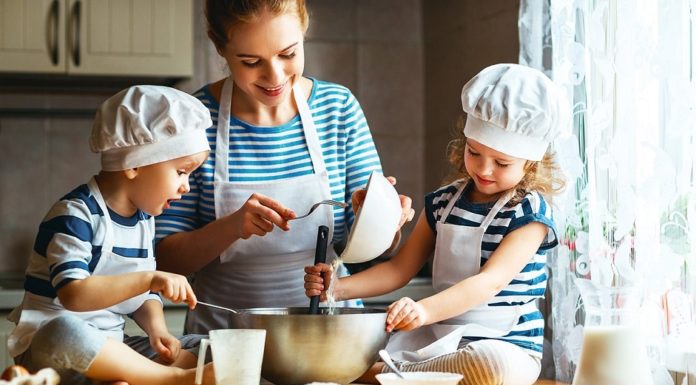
x,y
324,202
384,355
217,307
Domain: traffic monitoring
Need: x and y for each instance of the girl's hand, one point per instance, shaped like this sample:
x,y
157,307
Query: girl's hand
x,y
405,314
407,212
166,345
258,216
317,279
173,287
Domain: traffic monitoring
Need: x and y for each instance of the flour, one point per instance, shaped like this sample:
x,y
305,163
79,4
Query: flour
x,y
330,299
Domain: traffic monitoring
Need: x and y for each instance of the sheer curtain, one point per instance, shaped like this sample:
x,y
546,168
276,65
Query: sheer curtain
x,y
629,214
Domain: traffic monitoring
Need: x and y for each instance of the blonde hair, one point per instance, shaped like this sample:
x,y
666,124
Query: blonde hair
x,y
223,14
544,176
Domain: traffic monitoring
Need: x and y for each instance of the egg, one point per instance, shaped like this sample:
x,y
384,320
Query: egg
x,y
14,371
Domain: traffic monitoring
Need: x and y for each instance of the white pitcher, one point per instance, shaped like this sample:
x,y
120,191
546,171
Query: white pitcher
x,y
613,352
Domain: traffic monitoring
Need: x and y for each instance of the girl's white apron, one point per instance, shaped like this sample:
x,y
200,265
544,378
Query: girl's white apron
x,y
457,257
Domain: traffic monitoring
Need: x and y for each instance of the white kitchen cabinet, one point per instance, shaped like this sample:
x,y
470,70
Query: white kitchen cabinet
x,y
97,37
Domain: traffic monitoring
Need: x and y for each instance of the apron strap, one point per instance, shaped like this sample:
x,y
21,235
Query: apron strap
x,y
452,202
491,214
223,131
310,131
108,243
222,141
496,207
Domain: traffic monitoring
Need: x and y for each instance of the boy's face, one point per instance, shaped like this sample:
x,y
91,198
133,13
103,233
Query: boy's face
x,y
156,185
492,172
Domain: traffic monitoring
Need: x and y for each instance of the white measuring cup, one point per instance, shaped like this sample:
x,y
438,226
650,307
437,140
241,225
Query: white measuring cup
x,y
237,356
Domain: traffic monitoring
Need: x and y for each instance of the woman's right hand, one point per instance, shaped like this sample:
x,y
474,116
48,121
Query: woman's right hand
x,y
317,280
259,215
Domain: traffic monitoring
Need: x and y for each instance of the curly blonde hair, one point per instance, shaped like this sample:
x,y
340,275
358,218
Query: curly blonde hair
x,y
543,176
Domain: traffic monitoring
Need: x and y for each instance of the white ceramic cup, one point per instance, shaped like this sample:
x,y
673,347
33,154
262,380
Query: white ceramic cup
x,y
237,356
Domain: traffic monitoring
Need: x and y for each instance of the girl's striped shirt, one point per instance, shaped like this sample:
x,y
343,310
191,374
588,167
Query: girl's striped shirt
x,y
530,284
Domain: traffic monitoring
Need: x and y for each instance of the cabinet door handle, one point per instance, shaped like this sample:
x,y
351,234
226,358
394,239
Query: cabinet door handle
x,y
53,31
75,32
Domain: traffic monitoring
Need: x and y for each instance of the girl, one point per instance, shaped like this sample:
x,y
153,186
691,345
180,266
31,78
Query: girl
x,y
289,141
490,231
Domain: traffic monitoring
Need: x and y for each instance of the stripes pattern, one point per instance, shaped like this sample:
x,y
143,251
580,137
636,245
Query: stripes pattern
x,y
68,243
527,286
261,154
486,362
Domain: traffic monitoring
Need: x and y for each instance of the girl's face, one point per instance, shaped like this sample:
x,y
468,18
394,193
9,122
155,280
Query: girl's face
x,y
492,172
266,56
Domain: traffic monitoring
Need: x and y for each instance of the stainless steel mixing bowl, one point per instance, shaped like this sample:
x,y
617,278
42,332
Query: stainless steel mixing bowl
x,y
302,348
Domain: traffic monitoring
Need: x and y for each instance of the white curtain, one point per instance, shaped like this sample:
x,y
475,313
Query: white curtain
x,y
629,214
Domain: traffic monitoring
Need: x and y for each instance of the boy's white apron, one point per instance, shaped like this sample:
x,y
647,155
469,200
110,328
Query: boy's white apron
x,y
263,271
37,310
457,257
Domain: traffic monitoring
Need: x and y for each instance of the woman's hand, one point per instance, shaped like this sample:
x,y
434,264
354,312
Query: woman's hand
x,y
405,314
166,345
407,212
173,287
317,280
259,215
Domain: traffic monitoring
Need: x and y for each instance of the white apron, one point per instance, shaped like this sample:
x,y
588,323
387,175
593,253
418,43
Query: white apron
x,y
36,310
457,257
263,271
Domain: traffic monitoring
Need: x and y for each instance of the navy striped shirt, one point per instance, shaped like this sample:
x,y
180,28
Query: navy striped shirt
x,y
530,283
68,245
260,154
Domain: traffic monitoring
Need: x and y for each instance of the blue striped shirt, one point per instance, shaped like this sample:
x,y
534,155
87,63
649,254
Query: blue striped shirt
x,y
530,283
260,154
68,245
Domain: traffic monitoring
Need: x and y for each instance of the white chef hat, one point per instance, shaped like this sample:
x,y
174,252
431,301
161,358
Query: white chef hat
x,y
514,109
143,125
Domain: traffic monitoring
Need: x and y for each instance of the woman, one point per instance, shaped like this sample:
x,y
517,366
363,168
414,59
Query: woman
x,y
292,141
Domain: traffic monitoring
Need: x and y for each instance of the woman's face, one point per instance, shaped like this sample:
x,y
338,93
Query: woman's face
x,y
266,56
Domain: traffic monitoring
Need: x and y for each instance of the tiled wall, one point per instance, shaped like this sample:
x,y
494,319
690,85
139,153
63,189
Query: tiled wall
x,y
461,38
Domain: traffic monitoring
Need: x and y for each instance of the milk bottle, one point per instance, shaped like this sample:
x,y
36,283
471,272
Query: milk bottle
x,y
613,352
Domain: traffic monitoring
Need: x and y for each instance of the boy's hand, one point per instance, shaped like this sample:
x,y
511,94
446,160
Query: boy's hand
x,y
167,346
317,279
173,287
405,314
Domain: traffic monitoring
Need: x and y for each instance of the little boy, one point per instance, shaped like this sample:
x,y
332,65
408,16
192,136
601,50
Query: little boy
x,y
93,262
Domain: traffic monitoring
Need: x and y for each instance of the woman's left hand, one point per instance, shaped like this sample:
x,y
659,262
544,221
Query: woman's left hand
x,y
167,346
407,212
405,314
